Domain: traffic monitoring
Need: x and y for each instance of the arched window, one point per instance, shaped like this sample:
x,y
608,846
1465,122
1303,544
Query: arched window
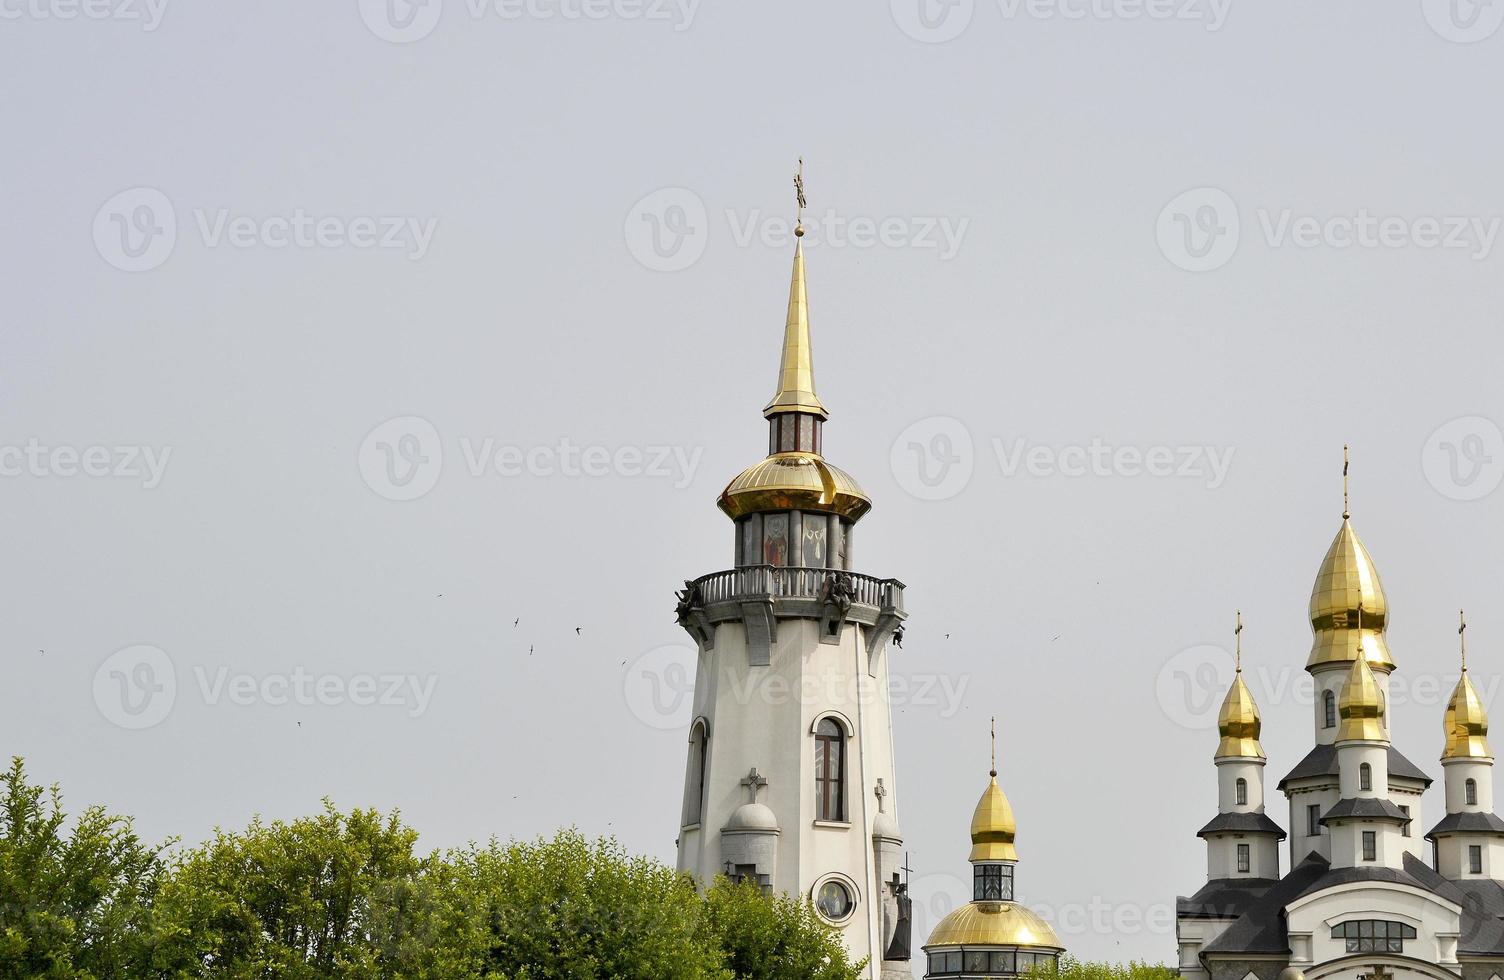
x,y
1365,776
830,769
1329,710
694,782
1242,791
1472,792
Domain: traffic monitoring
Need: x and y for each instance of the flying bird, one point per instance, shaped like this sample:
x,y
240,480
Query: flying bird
x,y
576,631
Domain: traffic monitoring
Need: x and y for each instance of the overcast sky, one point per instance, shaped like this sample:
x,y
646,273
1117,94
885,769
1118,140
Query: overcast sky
x,y
1098,291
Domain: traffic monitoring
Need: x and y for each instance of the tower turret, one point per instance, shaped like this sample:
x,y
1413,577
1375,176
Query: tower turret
x,y
1241,841
993,935
1365,825
790,779
1470,838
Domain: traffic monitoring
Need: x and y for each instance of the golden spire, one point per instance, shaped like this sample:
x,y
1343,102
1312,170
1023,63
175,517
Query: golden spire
x,y
992,826
1346,583
1466,723
1361,706
1238,722
796,370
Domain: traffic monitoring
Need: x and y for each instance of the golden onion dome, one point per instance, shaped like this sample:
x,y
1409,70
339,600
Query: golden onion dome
x,y
1466,723
794,481
992,827
1348,592
993,924
1361,706
1238,723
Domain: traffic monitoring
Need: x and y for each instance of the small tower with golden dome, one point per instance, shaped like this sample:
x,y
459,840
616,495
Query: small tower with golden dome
x,y
1349,615
993,935
1470,838
1241,841
1365,824
790,780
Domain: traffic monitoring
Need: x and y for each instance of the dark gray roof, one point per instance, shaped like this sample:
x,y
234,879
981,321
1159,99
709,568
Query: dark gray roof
x,y
1261,929
1261,926
1242,823
1223,898
1365,808
1468,823
1322,761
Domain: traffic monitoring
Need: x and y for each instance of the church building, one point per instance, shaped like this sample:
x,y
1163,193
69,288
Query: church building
x,y
1364,897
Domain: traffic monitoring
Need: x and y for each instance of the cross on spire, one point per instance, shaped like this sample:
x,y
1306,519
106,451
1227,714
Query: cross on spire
x,y
799,200
754,781
1462,637
1238,641
994,746
1345,460
881,792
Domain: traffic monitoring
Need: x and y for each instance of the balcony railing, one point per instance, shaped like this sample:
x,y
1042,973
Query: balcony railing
x,y
758,581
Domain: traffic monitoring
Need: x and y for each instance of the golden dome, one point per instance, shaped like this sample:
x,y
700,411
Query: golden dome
x,y
1346,584
794,481
992,827
1466,723
1361,706
993,924
1238,723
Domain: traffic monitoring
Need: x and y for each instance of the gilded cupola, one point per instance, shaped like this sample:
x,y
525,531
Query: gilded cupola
x,y
992,826
1238,722
1466,722
1346,584
795,475
1361,706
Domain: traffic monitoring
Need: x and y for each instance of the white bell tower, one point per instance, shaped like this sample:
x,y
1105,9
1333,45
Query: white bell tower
x,y
790,779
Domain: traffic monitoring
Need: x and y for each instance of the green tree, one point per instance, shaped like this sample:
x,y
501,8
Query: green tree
x,y
332,896
1073,969
73,904
766,938
570,909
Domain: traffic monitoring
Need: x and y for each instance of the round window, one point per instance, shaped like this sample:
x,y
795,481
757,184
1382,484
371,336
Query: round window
x,y
833,901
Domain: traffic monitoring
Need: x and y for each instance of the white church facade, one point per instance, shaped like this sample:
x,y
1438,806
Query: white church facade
x,y
1368,894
